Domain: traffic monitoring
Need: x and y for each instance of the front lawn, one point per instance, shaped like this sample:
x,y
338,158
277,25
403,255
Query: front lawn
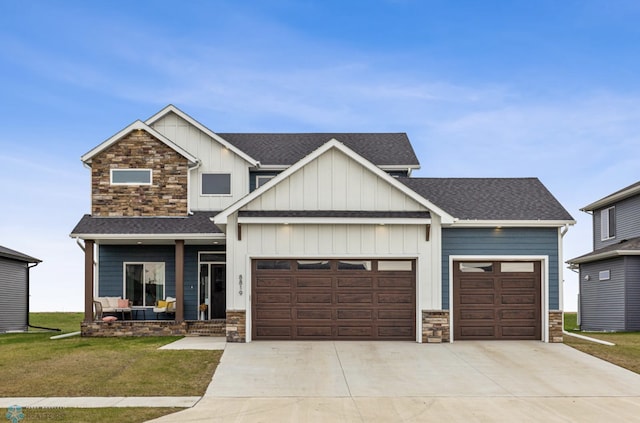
x,y
32,365
626,352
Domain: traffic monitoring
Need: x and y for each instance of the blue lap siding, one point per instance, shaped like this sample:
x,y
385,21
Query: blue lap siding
x,y
111,267
501,242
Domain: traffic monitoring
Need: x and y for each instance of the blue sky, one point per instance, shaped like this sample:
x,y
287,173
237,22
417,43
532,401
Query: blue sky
x,y
483,88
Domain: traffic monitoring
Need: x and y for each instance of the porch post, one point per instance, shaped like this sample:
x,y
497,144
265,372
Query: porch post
x,y
88,280
179,280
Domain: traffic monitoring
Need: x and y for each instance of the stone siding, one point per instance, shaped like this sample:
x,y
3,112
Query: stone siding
x,y
166,196
555,326
152,328
236,326
435,326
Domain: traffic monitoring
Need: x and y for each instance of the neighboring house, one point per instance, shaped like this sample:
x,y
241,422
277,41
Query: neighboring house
x,y
315,236
610,274
14,286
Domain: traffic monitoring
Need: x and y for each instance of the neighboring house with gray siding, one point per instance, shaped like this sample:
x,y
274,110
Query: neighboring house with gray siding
x,y
610,274
14,289
313,237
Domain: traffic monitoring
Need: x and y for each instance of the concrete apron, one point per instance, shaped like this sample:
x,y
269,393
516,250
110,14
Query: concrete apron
x,y
404,381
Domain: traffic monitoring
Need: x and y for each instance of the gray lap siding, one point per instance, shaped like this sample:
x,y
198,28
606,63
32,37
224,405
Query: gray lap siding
x,y
501,242
111,259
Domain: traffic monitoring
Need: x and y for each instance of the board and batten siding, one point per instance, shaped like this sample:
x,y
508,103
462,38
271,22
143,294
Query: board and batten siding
x,y
501,242
602,303
334,181
112,258
214,157
13,301
632,278
627,222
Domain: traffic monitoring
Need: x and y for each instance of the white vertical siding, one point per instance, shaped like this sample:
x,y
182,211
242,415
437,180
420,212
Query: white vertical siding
x,y
214,157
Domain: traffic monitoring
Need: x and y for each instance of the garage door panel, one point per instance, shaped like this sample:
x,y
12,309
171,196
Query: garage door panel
x,y
395,314
313,282
274,314
274,298
313,314
469,283
528,283
488,314
313,298
481,299
355,283
332,302
269,282
528,298
357,314
397,282
313,331
499,304
355,298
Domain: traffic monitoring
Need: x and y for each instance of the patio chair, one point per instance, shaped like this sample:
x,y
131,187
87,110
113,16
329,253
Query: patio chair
x,y
167,306
97,314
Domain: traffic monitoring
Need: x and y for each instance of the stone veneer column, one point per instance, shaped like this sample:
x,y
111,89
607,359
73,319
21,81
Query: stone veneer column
x,y
236,326
555,326
435,326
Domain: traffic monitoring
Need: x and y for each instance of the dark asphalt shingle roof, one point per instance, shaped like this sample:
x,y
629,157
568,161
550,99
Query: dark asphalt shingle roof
x,y
632,244
197,223
382,149
335,213
16,255
490,198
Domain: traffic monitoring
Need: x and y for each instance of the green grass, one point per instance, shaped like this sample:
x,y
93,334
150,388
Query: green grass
x,y
626,352
77,366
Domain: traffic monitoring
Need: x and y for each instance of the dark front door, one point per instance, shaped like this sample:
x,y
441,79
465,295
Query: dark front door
x,y
213,296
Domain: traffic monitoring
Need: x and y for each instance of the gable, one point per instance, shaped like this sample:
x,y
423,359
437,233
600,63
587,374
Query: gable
x,y
333,181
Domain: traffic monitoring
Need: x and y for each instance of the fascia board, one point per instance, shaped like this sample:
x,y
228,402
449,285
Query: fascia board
x,y
511,223
601,256
603,202
333,221
226,144
221,218
399,167
212,235
138,125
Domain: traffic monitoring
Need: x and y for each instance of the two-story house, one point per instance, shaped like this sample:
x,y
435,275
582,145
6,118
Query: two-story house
x,y
314,236
610,275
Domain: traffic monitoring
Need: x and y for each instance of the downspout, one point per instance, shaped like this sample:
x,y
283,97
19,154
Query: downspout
x,y
562,232
29,325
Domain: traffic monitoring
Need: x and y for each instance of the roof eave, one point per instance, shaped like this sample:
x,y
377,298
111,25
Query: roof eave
x,y
605,255
603,202
476,223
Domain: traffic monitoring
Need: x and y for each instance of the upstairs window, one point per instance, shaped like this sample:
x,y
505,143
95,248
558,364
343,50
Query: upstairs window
x,y
262,179
131,176
608,223
216,184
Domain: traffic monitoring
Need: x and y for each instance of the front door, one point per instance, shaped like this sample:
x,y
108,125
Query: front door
x,y
212,289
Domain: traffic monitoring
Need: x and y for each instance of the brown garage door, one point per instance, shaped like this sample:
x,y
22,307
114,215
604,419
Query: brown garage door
x,y
333,299
496,300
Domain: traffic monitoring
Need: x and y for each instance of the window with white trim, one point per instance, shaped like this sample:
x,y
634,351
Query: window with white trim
x,y
604,275
608,223
144,283
131,176
216,184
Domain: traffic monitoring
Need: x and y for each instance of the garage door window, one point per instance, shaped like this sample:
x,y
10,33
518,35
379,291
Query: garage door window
x,y
517,267
273,264
314,265
394,265
476,267
354,265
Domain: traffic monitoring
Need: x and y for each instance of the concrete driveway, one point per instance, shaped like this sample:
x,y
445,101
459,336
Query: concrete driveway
x,y
404,381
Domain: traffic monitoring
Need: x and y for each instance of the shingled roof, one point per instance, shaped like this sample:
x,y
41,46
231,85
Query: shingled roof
x,y
197,223
382,149
16,255
625,247
491,198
